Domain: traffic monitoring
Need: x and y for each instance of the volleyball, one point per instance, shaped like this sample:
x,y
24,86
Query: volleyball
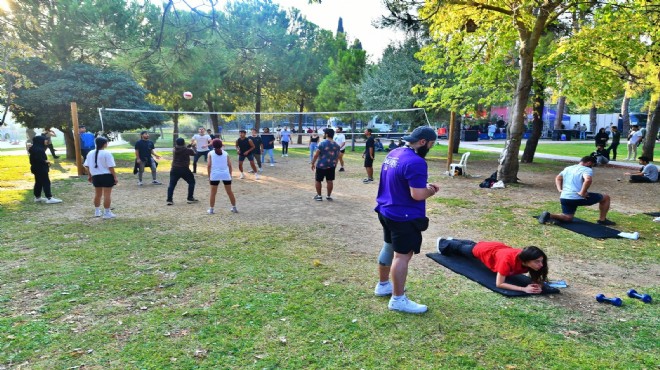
x,y
187,95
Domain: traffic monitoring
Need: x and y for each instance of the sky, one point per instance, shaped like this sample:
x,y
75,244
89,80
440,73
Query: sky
x,y
357,15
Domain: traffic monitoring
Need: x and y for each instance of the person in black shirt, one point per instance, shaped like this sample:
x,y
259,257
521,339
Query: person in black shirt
x,y
368,155
245,148
258,147
616,138
144,150
601,137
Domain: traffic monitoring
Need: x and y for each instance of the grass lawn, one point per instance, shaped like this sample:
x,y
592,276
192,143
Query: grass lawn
x,y
184,292
578,149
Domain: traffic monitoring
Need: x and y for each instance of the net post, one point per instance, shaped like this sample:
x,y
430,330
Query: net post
x,y
76,138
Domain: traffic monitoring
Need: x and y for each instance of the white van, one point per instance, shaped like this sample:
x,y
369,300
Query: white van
x,y
379,124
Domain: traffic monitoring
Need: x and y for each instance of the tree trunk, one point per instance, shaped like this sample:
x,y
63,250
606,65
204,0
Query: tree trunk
x,y
652,126
625,114
175,122
211,108
457,136
593,115
257,109
69,142
507,171
301,107
537,123
560,112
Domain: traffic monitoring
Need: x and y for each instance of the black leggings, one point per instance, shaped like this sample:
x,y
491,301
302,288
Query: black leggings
x,y
181,173
42,182
285,147
457,247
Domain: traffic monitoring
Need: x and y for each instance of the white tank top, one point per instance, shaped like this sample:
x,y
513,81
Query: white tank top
x,y
219,166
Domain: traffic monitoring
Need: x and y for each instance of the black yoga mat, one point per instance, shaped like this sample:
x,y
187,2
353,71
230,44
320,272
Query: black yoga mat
x,y
587,228
654,214
474,270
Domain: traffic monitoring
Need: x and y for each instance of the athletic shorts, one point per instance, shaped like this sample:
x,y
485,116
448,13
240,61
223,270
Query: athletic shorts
x,y
250,157
368,161
342,151
103,181
327,173
405,236
569,206
216,183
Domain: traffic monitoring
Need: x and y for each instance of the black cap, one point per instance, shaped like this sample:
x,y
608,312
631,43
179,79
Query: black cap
x,y
421,132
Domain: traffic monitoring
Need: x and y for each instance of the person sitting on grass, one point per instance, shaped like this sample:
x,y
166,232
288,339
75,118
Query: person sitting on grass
x,y
573,183
379,146
601,155
503,260
648,172
392,146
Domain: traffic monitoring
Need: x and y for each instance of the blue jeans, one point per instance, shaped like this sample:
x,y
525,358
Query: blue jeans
x,y
583,135
270,154
312,149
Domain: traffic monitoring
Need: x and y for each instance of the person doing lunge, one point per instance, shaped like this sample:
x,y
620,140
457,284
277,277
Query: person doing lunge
x,y
503,260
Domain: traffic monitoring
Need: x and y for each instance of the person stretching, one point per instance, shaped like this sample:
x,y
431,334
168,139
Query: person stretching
x,y
503,260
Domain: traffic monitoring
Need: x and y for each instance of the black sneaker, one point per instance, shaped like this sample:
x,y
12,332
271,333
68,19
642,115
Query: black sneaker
x,y
341,169
192,200
329,198
606,222
169,202
318,198
544,217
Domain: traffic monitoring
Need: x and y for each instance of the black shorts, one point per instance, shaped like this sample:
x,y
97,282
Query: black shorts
x,y
327,173
368,161
250,157
216,183
405,236
569,206
342,151
103,181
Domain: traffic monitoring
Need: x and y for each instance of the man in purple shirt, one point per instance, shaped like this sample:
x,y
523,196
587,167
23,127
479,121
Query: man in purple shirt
x,y
401,211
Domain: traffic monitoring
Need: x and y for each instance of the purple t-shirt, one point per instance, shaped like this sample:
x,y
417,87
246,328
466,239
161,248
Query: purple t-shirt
x,y
402,169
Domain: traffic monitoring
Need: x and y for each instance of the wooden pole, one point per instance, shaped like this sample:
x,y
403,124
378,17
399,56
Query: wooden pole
x,y
76,138
450,146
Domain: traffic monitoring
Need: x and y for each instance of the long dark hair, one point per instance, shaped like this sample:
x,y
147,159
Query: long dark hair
x,y
100,143
531,253
217,146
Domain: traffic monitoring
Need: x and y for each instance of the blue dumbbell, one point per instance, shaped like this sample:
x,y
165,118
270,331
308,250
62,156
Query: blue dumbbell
x,y
644,297
616,301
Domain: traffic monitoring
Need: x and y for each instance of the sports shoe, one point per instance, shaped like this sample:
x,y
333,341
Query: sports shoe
x,y
250,171
108,214
406,305
606,222
383,290
440,239
256,176
318,198
242,176
98,213
544,217
633,236
272,164
53,201
40,200
210,211
367,180
328,198
261,169
192,200
156,182
139,183
341,169
170,202
234,209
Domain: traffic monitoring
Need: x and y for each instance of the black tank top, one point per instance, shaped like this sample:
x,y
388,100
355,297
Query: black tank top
x,y
314,139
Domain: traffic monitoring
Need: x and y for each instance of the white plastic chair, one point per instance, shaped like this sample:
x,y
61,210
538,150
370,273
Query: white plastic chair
x,y
462,165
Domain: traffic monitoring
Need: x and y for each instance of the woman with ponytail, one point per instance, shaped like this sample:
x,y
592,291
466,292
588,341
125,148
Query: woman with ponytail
x,y
503,260
219,169
100,166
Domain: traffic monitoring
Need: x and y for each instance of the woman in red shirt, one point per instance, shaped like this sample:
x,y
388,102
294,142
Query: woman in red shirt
x,y
503,260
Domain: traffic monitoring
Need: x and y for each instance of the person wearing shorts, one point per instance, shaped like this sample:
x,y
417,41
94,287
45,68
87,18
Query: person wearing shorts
x,y
219,169
573,183
368,155
401,208
100,165
245,148
340,139
324,163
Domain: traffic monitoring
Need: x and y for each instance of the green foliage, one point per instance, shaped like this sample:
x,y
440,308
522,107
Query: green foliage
x,y
338,90
133,137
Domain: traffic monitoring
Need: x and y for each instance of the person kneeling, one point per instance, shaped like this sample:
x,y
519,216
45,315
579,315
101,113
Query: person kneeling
x,y
503,260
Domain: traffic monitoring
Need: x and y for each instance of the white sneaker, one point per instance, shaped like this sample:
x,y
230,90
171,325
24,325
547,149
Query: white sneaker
x,y
210,211
53,201
272,164
633,236
256,176
242,176
139,183
437,243
40,200
234,209
261,169
108,215
383,290
98,213
657,219
406,305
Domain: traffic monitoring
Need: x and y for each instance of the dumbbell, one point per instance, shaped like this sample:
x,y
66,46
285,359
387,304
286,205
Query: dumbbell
x,y
644,297
616,301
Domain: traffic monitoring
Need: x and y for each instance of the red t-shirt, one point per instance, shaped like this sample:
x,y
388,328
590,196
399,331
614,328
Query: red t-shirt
x,y
499,257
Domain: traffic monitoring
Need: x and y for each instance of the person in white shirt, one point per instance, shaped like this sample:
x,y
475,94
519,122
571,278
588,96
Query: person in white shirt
x,y
201,141
340,139
219,169
100,166
634,138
